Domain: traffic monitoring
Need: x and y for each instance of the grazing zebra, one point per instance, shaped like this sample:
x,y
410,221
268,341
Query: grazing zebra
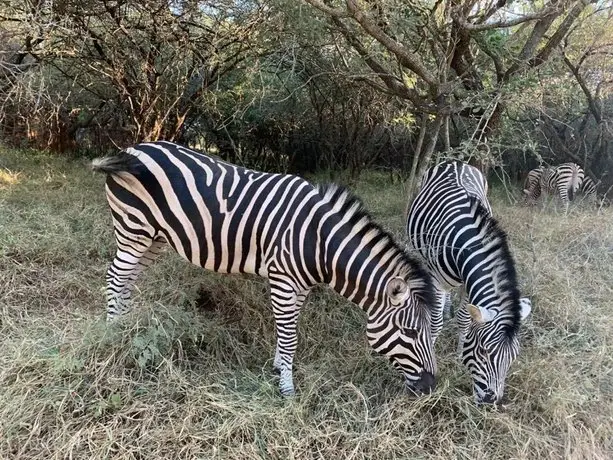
x,y
532,186
233,220
450,225
563,181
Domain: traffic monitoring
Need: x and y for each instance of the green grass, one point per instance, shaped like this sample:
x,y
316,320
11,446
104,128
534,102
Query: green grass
x,y
188,373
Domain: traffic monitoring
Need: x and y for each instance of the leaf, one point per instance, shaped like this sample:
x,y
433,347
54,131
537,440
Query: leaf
x,y
115,401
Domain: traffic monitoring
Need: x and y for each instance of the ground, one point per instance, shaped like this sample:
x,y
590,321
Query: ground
x,y
188,373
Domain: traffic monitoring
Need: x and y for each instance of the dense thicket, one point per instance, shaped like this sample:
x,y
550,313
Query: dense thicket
x,y
312,84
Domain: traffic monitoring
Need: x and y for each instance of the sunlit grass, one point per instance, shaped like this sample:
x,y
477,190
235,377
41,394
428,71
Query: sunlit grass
x,y
8,178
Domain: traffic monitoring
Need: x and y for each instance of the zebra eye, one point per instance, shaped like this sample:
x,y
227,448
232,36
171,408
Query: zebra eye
x,y
410,333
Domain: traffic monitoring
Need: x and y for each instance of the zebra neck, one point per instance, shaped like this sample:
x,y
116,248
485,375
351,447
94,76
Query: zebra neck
x,y
487,280
365,291
357,256
361,276
358,270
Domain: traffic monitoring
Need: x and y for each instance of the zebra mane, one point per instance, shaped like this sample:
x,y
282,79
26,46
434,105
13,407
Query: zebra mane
x,y
504,272
347,204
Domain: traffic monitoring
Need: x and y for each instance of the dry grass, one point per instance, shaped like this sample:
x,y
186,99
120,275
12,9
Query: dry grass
x,y
8,178
188,374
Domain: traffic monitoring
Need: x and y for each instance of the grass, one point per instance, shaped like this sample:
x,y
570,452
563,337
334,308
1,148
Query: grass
x,y
188,373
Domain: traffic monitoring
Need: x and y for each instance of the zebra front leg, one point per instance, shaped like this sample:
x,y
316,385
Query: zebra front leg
x,y
438,312
463,320
286,307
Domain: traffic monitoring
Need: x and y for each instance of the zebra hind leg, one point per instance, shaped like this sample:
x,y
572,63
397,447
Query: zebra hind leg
x,y
286,309
130,260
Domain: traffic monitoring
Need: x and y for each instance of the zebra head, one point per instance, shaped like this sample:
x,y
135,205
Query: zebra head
x,y
401,331
488,348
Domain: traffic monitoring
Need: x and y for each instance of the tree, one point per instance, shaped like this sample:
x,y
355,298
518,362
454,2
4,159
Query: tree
x,y
137,69
451,58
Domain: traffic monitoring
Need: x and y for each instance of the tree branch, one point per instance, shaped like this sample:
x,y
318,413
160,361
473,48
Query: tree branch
x,y
394,85
594,109
404,56
503,24
559,34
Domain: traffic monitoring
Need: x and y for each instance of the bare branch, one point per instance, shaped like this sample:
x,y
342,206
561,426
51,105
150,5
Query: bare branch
x,y
592,103
505,23
394,85
559,34
404,56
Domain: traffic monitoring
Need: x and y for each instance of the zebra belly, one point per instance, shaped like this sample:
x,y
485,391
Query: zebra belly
x,y
230,255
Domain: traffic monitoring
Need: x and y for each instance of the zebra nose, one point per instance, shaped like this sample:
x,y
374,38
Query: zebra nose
x,y
426,382
489,398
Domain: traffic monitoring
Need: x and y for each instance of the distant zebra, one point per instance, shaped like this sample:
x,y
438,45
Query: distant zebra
x,y
233,220
588,190
532,186
450,225
565,180
562,181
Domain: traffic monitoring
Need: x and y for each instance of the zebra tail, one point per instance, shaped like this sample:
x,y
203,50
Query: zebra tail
x,y
123,162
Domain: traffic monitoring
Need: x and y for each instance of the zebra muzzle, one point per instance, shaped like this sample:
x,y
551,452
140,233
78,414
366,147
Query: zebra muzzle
x,y
425,384
489,398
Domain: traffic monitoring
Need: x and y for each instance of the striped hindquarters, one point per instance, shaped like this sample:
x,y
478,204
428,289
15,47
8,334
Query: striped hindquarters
x,y
588,189
565,181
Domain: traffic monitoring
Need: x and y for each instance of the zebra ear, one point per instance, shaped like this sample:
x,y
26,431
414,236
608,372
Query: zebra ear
x,y
526,308
526,192
479,314
397,289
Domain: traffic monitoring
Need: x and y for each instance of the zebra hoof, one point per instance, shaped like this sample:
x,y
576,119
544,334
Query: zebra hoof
x,y
286,384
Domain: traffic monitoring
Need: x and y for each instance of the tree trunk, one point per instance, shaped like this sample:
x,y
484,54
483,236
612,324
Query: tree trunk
x,y
417,153
421,159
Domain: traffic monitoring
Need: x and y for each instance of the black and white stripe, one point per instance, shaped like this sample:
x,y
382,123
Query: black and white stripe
x,y
450,225
532,186
233,220
564,181
588,190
